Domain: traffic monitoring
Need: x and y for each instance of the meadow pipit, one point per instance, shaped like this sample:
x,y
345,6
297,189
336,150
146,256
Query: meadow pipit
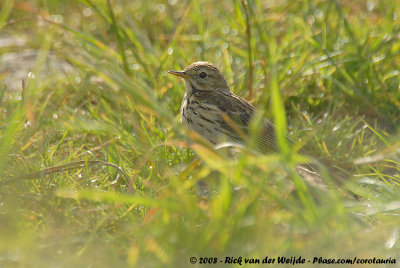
x,y
212,110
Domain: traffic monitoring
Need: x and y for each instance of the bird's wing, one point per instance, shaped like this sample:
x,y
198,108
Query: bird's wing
x,y
234,114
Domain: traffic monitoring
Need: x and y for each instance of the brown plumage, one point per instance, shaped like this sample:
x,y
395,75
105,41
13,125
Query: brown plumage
x,y
212,110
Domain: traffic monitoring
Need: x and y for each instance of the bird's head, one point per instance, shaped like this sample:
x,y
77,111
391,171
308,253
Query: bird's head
x,y
202,76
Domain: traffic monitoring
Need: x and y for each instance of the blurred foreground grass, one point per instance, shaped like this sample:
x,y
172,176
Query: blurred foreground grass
x,y
135,199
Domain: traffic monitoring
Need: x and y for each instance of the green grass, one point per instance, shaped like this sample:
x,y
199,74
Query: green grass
x,y
118,183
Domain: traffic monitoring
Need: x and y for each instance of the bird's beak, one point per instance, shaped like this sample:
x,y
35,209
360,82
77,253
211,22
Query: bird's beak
x,y
181,74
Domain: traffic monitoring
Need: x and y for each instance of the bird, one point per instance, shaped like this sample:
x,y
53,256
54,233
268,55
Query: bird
x,y
212,110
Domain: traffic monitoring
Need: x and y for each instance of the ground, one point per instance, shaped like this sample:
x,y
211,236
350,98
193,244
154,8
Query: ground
x,y
96,169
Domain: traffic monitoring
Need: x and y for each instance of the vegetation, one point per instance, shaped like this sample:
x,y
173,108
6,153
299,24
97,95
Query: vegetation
x,y
96,169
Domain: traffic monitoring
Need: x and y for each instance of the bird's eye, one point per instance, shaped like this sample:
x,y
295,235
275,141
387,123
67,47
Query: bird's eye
x,y
203,75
